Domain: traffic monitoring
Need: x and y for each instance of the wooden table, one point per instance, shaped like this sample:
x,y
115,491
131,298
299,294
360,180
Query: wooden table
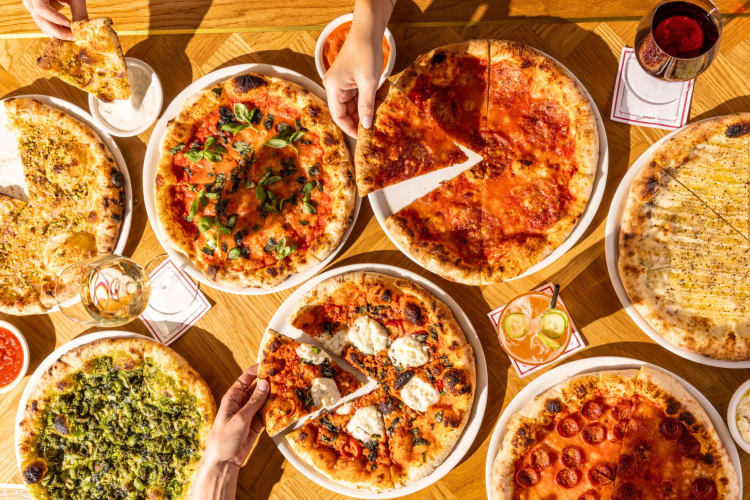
x,y
184,39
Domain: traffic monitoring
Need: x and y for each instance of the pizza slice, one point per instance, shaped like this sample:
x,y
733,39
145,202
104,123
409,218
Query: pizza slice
x,y
450,85
403,142
93,61
303,379
442,229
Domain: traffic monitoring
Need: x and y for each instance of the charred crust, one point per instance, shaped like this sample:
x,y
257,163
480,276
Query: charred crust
x,y
737,130
211,272
413,313
673,406
117,178
438,57
457,381
273,271
687,418
402,379
553,406
274,345
314,111
246,83
386,296
651,184
329,140
706,458
452,421
34,472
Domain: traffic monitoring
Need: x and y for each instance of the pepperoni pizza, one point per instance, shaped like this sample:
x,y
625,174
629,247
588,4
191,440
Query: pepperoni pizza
x,y
624,435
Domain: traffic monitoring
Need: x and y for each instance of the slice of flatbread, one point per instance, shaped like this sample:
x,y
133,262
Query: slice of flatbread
x,y
92,62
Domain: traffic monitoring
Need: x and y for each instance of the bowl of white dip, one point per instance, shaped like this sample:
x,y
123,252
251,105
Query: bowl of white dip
x,y
129,117
738,416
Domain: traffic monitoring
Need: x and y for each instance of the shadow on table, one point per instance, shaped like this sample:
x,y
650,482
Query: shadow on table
x,y
734,105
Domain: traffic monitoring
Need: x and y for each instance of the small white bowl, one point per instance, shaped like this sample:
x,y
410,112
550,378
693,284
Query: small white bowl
x,y
333,25
112,130
25,348
732,416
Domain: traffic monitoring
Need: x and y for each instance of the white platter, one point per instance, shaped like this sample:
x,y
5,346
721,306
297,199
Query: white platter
x,y
48,361
612,252
151,161
279,322
388,201
86,118
563,372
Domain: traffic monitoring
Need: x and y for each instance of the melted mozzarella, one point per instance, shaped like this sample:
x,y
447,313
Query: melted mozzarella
x,y
344,409
324,392
408,352
419,395
336,342
368,335
366,423
311,354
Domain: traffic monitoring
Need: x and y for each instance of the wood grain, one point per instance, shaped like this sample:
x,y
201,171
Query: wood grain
x,y
226,340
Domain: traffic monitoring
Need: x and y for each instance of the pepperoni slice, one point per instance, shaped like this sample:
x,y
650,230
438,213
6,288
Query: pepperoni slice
x,y
627,466
568,427
540,458
602,473
527,477
589,495
643,451
568,478
670,428
618,432
594,433
703,489
628,491
572,456
688,446
623,410
592,410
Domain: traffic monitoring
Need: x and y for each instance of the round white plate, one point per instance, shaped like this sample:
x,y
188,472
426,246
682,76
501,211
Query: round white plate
x,y
151,160
383,209
568,370
86,118
612,252
280,323
48,361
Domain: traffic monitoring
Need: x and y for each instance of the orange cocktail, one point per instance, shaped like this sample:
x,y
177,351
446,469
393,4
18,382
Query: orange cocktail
x,y
533,332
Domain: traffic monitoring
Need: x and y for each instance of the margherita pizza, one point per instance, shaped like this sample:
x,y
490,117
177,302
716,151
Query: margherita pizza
x,y
254,182
625,435
685,242
115,416
535,129
400,335
74,210
303,379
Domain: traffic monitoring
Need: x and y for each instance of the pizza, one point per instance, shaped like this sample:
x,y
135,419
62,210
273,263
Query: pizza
x,y
93,61
685,239
401,336
74,210
302,378
402,143
254,182
625,435
534,128
115,416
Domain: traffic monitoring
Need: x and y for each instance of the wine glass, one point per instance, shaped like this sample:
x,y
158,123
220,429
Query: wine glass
x,y
675,42
112,290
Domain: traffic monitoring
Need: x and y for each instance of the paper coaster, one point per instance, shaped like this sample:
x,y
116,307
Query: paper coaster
x,y
172,290
576,340
658,104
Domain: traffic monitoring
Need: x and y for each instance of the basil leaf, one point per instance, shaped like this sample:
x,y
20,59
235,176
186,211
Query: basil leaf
x,y
284,201
232,220
212,155
309,207
271,180
303,222
243,114
222,228
211,196
209,142
234,253
205,223
234,128
176,149
193,210
276,142
296,136
242,147
194,155
308,187
260,193
219,149
265,176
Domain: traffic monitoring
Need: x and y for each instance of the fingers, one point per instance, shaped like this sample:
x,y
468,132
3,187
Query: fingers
x,y
248,377
238,393
78,9
366,102
256,426
256,400
52,30
43,9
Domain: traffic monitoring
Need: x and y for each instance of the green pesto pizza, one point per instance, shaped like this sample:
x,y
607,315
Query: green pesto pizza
x,y
116,418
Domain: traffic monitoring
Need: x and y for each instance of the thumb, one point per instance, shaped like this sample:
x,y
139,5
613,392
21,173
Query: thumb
x,y
366,101
256,400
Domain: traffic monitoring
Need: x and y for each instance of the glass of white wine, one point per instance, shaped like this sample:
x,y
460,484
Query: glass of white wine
x,y
111,290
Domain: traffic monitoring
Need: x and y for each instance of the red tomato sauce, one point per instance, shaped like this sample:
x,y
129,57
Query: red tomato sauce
x,y
11,357
335,41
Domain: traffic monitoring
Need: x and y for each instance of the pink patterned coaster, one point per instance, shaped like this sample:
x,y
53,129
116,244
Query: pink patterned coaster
x,y
576,340
172,290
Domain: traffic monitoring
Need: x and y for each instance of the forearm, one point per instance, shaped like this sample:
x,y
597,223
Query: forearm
x,y
216,481
370,18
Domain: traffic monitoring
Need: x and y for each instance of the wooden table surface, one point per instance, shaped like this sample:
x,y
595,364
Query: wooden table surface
x,y
185,39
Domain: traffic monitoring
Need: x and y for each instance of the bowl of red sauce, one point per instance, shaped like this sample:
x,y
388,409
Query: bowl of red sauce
x,y
14,356
334,35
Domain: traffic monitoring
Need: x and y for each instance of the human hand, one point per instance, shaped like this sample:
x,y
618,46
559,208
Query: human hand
x,y
237,426
46,15
352,79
